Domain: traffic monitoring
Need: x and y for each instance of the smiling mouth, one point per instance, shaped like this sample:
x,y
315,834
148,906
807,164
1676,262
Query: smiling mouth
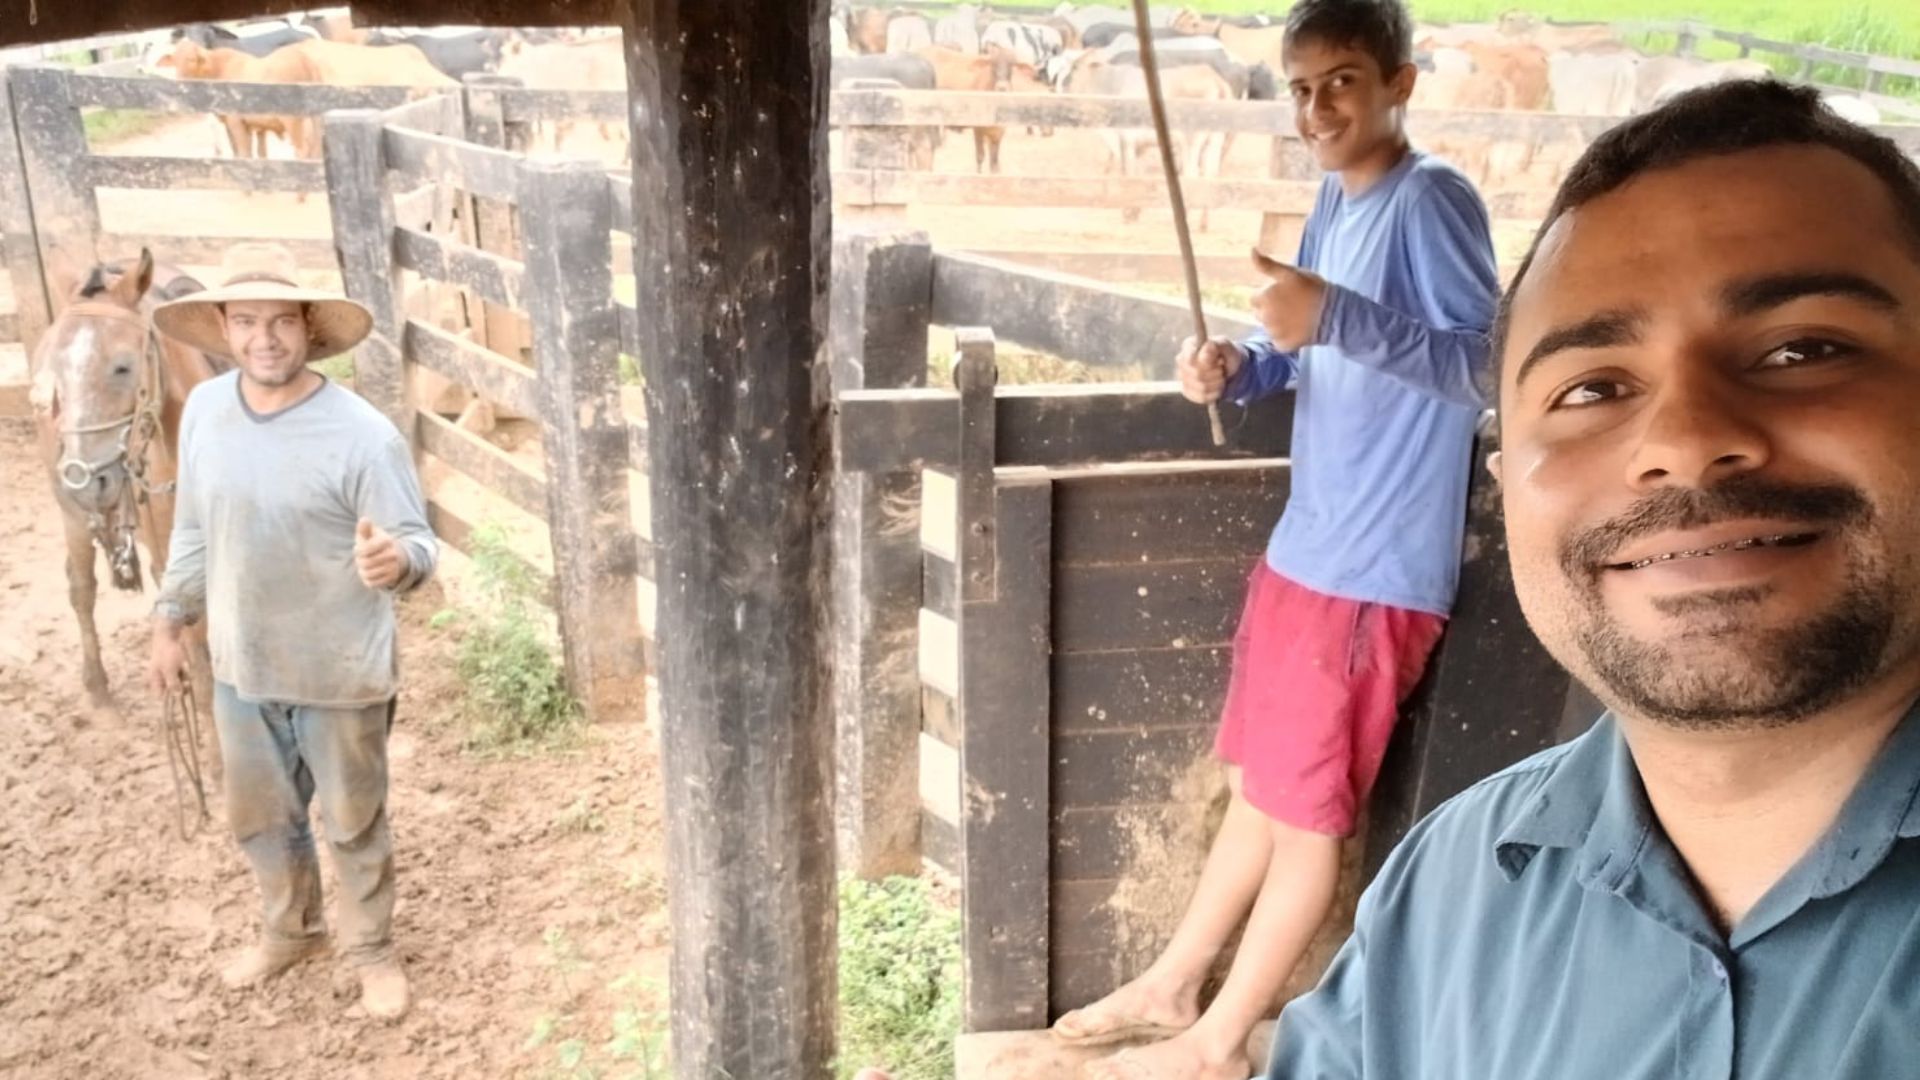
x,y
1780,540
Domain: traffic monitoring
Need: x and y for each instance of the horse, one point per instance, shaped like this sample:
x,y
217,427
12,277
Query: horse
x,y
108,393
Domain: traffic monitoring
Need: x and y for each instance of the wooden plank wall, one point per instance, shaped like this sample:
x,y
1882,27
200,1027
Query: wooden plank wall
x,y
1149,566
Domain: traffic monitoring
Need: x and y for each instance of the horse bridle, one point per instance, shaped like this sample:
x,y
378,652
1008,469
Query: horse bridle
x,y
137,430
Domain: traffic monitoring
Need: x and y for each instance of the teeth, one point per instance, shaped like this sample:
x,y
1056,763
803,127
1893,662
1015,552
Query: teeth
x,y
1701,553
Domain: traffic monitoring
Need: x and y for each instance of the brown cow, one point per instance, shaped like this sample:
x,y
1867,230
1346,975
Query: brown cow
x,y
248,134
955,70
1522,67
308,62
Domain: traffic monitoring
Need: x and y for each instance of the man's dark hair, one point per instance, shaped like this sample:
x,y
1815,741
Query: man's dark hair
x,y
1380,28
1725,118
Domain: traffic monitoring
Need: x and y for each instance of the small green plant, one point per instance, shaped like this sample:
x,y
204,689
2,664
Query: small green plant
x,y
516,693
580,817
338,368
899,979
636,1046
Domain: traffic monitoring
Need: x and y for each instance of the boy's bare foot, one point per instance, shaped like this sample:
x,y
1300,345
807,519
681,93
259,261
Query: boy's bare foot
x,y
1143,1009
1179,1058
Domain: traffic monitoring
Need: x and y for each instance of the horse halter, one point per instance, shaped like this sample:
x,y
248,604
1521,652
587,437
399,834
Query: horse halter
x,y
78,474
112,528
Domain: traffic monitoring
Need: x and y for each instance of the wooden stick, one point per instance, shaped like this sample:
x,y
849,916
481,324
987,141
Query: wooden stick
x,y
1158,106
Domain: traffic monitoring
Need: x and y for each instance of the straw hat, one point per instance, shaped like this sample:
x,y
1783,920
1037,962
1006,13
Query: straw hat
x,y
263,272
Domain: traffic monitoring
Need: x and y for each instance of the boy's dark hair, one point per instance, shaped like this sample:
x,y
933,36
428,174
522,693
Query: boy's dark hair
x,y
1725,118
1380,28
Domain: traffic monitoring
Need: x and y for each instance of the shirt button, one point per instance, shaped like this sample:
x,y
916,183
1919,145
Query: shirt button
x,y
1720,971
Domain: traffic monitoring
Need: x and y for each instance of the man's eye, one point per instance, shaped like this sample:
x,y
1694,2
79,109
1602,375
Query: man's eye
x,y
1805,351
1590,392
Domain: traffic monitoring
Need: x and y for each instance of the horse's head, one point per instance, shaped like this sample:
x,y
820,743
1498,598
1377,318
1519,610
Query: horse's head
x,y
88,373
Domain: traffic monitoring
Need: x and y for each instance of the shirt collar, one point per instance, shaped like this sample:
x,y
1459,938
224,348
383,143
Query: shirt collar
x,y
1882,809
1592,801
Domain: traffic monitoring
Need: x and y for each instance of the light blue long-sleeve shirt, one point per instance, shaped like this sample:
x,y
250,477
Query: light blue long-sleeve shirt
x,y
1385,407
1541,926
263,538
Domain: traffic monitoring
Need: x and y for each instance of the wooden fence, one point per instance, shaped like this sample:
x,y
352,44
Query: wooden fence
x,y
64,174
29,313
557,219
1874,72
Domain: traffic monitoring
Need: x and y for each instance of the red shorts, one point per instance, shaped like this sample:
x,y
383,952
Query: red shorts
x,y
1316,687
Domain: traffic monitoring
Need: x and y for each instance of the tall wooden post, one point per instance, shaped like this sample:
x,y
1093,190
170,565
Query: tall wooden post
x,y
566,216
361,201
882,302
53,141
731,253
19,242
1006,568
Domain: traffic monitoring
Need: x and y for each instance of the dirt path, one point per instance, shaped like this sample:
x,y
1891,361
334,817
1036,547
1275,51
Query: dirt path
x,y
530,889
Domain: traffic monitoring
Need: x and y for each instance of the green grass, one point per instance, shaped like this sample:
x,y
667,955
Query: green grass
x,y
107,126
1836,23
516,692
1882,27
899,979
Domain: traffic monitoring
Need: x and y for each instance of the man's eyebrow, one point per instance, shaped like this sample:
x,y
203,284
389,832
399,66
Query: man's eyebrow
x,y
1601,331
1317,76
1752,296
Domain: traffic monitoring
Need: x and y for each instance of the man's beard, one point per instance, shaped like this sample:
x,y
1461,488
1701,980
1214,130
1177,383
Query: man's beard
x,y
1736,675
277,380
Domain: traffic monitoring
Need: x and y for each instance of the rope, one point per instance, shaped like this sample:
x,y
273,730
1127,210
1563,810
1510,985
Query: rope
x,y
180,734
1151,68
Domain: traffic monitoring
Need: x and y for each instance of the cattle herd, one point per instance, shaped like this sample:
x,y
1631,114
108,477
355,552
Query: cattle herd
x,y
1517,63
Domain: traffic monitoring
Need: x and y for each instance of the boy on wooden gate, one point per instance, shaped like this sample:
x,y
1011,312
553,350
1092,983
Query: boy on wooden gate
x,y
299,518
1382,333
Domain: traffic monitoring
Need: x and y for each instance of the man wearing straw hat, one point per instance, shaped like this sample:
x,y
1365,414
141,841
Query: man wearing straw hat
x,y
299,519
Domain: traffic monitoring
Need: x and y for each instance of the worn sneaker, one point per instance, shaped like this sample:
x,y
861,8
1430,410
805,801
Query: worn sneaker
x,y
383,990
262,961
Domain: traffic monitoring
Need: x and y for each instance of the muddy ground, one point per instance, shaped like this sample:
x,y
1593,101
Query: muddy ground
x,y
531,889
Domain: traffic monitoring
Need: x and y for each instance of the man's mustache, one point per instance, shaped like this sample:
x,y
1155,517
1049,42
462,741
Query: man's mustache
x,y
1583,554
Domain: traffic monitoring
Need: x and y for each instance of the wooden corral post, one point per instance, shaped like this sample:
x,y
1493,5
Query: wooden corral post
x,y
873,153
1491,695
361,199
731,253
1006,574
882,301
19,242
53,140
566,215
496,228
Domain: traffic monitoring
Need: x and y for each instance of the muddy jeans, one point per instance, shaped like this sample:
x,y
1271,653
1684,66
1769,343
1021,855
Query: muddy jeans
x,y
278,757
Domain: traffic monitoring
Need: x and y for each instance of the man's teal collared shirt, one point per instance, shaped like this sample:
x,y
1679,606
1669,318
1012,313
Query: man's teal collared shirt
x,y
1540,926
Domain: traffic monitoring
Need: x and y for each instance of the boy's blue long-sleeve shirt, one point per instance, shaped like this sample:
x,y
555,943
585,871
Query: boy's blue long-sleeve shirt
x,y
1386,404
